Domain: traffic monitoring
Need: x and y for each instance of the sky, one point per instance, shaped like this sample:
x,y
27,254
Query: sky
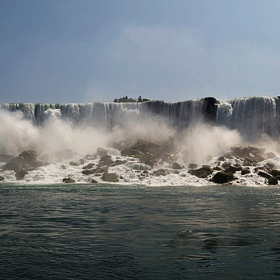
x,y
89,51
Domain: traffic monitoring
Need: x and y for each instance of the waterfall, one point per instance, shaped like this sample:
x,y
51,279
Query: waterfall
x,y
251,116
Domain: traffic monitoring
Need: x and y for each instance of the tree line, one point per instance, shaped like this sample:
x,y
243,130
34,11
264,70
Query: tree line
x,y
128,99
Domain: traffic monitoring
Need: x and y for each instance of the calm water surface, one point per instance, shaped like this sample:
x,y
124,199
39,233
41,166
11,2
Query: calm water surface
x,y
128,232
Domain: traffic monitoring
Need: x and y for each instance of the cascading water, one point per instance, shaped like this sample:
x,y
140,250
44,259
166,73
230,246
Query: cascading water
x,y
252,116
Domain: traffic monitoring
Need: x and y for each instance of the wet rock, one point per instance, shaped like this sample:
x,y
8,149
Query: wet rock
x,y
82,161
264,174
73,163
101,152
15,166
21,174
68,180
93,181
99,170
270,165
250,151
2,178
5,158
63,166
18,159
89,166
245,170
145,150
138,166
110,177
233,168
176,165
106,161
160,172
221,158
223,177
119,162
87,172
272,181
202,172
226,165
29,155
275,173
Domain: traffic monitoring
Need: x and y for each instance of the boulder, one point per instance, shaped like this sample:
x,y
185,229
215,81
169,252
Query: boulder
x,y
202,172
176,165
233,168
21,174
18,159
93,181
12,166
73,163
29,156
160,172
101,152
4,158
119,162
275,173
89,166
87,172
272,181
245,170
2,178
68,180
106,161
222,177
110,177
264,174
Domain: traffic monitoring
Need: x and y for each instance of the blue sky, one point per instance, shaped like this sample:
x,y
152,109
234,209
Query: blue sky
x,y
86,51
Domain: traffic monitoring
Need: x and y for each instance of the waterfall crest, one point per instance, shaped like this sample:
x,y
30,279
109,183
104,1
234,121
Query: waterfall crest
x,y
251,116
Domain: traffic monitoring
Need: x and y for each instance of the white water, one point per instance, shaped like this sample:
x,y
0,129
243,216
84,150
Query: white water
x,y
49,128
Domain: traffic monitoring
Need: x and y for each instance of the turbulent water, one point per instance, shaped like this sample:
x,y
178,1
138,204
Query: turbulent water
x,y
138,232
202,130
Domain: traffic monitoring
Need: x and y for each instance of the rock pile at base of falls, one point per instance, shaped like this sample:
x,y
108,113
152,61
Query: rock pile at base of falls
x,y
142,160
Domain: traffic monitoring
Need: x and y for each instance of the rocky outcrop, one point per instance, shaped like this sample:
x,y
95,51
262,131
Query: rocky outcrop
x,y
147,151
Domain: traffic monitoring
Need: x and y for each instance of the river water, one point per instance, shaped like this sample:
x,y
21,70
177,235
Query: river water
x,y
86,231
